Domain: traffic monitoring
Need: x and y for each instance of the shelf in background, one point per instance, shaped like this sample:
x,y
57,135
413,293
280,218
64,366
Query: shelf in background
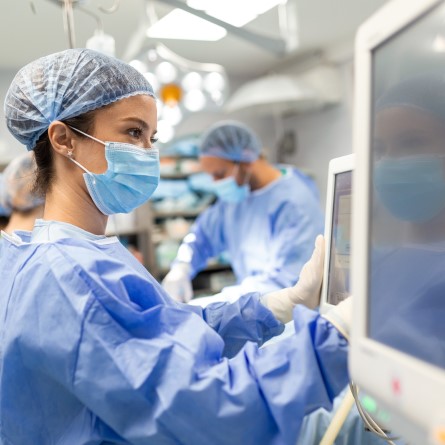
x,y
175,175
174,213
213,267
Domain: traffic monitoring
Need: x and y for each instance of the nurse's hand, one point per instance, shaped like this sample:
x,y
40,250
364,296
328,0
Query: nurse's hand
x,y
341,316
306,291
177,283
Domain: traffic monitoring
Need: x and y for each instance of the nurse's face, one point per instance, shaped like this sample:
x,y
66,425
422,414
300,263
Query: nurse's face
x,y
222,168
409,169
403,132
132,120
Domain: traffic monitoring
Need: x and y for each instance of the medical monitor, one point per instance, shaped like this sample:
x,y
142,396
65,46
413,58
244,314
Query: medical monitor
x,y
336,281
398,243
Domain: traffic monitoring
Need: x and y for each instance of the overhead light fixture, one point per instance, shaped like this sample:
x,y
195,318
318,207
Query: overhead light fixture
x,y
286,93
179,24
235,12
172,114
166,72
194,100
165,131
192,81
271,93
138,65
181,86
102,42
439,44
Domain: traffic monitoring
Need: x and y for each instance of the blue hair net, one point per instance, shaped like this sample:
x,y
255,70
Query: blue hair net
x,y
65,85
425,92
16,185
231,140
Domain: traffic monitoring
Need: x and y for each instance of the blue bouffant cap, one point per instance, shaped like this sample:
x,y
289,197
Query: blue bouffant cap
x,y
65,85
231,140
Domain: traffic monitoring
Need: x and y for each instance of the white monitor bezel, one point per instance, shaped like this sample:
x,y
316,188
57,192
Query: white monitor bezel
x,y
412,391
336,166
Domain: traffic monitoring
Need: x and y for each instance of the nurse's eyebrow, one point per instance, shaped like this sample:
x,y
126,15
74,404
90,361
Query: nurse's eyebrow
x,y
141,122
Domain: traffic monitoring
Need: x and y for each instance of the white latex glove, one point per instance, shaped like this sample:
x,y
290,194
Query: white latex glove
x,y
341,316
177,283
306,291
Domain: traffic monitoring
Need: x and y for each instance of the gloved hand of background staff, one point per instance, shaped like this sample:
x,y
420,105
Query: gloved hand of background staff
x,y
306,291
177,283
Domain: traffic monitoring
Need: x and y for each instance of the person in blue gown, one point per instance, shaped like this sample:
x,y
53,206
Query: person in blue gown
x,y
266,218
18,200
94,351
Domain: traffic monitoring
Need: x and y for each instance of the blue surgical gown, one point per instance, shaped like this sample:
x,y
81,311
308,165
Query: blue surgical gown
x,y
94,352
314,426
269,236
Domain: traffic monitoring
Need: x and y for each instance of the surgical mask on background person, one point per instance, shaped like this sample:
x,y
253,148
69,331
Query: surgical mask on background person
x,y
131,177
228,190
411,188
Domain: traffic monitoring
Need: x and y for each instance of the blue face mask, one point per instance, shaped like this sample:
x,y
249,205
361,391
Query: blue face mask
x,y
228,190
412,189
131,177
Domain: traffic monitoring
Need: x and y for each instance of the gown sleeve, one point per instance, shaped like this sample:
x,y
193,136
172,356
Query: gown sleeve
x,y
246,319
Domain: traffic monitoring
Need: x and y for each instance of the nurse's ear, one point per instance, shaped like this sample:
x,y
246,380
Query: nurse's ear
x,y
61,138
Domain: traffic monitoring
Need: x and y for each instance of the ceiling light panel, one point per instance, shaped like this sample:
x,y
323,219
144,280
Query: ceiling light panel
x,y
179,24
235,12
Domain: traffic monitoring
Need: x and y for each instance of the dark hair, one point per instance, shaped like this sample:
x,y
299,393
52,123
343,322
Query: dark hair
x,y
44,153
4,221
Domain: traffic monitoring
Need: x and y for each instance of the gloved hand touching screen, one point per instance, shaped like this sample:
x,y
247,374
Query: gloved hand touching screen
x,y
306,291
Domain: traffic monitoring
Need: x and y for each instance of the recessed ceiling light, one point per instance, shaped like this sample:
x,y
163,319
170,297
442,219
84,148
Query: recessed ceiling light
x,y
179,24
235,12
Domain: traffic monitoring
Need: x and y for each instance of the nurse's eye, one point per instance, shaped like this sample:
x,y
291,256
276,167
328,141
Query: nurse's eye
x,y
135,133
154,140
413,144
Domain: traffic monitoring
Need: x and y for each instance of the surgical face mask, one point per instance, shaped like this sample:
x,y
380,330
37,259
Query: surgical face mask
x,y
131,177
412,188
228,190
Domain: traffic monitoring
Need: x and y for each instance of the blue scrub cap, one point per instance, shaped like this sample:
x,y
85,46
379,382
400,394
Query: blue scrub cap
x,y
231,140
16,185
65,85
425,92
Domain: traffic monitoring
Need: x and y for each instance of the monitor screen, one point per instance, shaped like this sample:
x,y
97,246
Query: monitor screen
x,y
338,277
406,277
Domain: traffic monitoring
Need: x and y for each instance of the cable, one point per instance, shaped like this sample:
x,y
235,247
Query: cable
x,y
370,423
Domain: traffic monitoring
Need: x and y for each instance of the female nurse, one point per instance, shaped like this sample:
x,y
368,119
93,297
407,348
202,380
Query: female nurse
x,y
93,350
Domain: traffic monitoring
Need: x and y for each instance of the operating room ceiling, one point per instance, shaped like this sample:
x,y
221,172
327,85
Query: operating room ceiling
x,y
26,35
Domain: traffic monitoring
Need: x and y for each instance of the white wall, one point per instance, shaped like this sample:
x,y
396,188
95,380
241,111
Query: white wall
x,y
9,146
323,135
